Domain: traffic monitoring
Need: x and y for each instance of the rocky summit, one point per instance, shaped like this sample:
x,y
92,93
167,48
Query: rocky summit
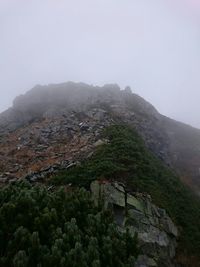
x,y
51,127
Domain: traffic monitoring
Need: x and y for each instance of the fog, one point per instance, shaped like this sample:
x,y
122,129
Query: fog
x,y
153,46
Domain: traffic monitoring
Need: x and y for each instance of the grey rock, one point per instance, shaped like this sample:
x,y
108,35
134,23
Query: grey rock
x,y
155,230
145,261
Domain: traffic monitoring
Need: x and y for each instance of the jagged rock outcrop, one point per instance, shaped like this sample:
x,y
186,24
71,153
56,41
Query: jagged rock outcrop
x,y
61,123
155,230
46,122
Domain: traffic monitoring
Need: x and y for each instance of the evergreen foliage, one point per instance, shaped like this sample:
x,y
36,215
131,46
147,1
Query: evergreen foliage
x,y
126,158
61,228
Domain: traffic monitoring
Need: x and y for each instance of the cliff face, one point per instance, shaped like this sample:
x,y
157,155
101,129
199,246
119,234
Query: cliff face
x,y
53,124
155,231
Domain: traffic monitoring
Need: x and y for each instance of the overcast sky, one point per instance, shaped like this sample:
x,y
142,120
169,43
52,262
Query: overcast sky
x,y
151,45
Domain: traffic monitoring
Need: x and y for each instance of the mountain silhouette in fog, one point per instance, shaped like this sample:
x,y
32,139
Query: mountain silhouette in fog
x,y
55,106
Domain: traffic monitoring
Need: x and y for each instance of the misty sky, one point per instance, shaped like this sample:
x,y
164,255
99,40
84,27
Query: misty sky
x,y
151,45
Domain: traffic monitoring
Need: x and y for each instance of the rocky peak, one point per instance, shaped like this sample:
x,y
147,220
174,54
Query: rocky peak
x,y
44,107
58,101
127,89
69,95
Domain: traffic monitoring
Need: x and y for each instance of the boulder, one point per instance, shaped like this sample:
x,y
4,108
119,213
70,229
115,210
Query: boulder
x,y
155,230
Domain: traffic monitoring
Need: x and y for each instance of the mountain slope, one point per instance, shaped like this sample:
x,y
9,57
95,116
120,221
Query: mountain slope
x,y
71,112
76,133
125,158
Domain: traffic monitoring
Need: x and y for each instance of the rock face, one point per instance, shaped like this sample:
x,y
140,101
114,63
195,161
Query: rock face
x,y
51,124
155,230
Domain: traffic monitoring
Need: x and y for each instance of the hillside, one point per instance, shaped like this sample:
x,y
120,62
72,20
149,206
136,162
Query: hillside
x,y
125,158
72,134
36,131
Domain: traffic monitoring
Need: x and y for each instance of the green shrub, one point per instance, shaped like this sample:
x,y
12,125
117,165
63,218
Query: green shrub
x,y
127,159
61,228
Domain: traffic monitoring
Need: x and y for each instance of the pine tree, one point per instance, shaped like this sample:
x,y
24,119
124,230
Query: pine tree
x,y
20,259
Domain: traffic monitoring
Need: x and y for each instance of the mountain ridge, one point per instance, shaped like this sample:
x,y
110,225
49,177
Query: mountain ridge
x,y
176,143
